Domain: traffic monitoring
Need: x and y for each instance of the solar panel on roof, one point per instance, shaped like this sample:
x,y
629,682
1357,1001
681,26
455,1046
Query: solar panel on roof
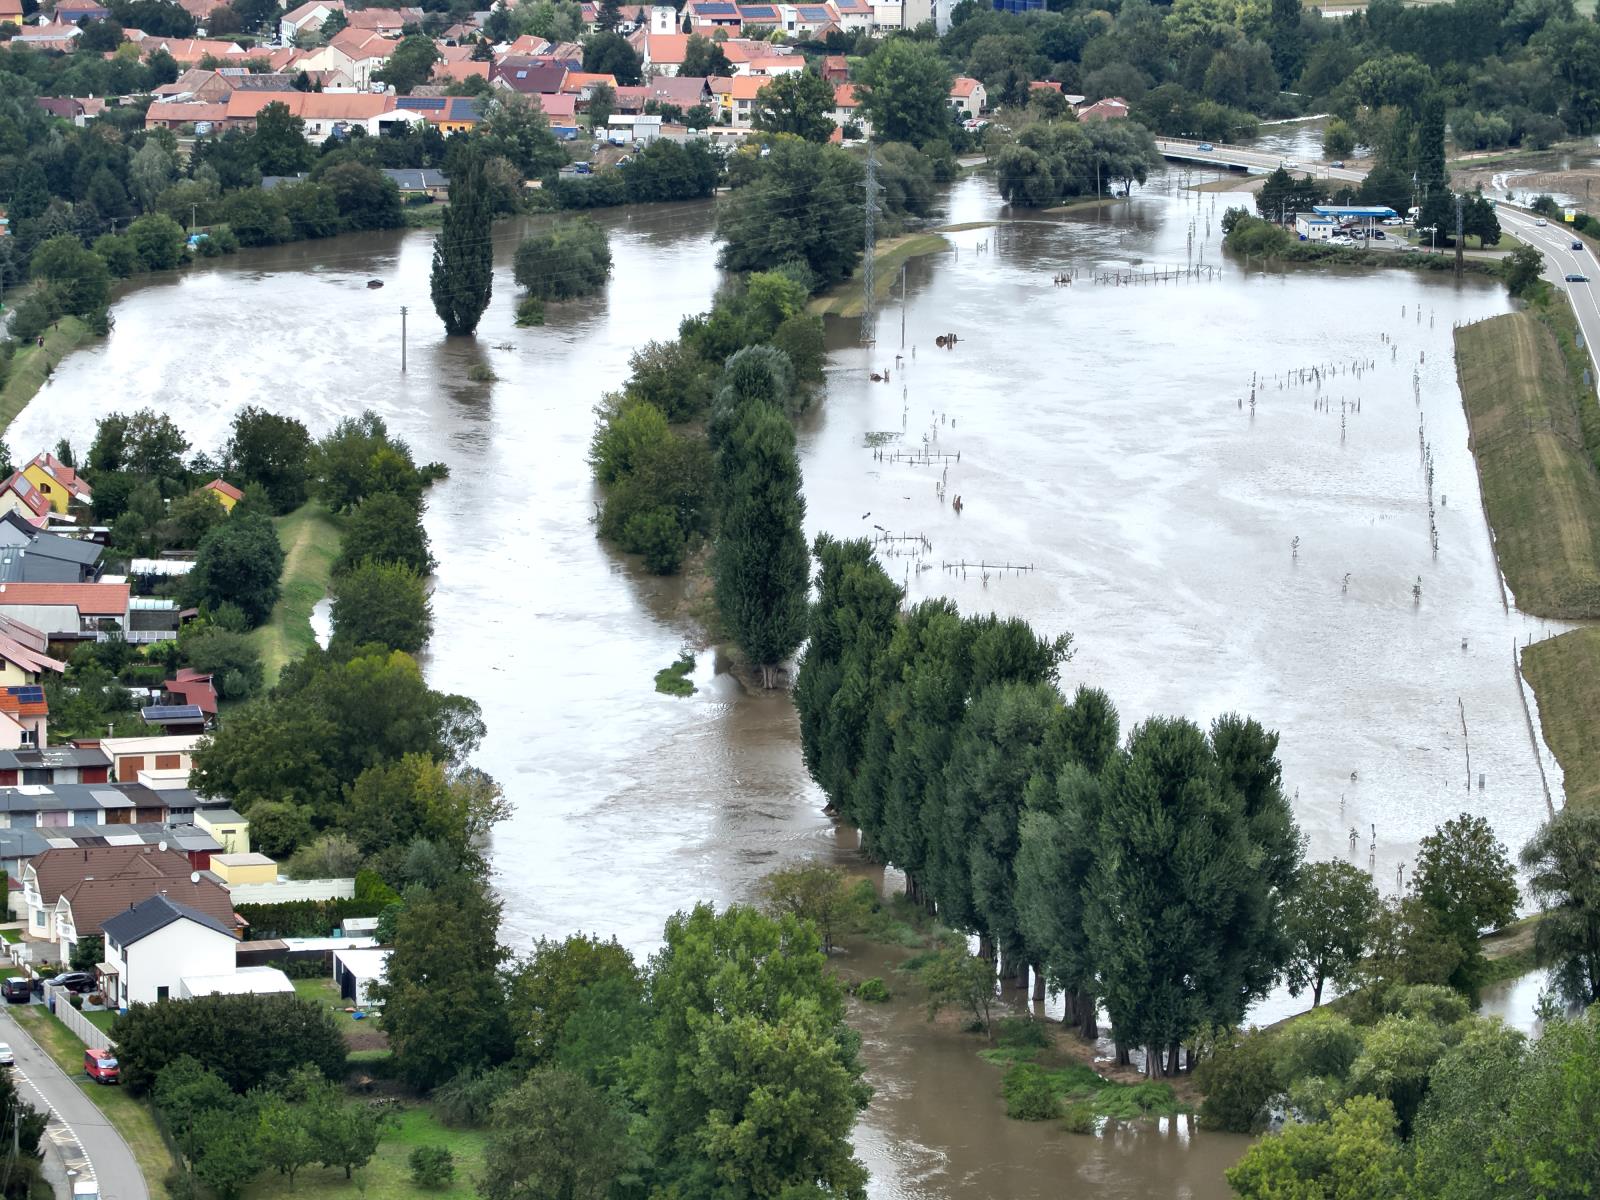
x,y
171,712
27,694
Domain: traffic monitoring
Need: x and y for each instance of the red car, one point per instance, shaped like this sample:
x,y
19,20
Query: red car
x,y
101,1066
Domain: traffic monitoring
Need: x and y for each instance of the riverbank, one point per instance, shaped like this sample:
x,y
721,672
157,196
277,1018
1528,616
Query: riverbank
x,y
1564,673
32,365
847,299
310,537
1540,490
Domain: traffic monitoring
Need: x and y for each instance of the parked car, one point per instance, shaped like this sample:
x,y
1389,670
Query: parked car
x,y
1576,244
17,990
7,1059
1337,163
1574,277
1206,146
1340,240
1379,234
75,981
100,1065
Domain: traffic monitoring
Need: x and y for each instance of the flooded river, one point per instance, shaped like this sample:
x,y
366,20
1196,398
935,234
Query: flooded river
x,y
1106,441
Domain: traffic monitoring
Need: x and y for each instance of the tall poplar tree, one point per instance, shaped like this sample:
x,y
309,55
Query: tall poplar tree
x,y
761,565
463,254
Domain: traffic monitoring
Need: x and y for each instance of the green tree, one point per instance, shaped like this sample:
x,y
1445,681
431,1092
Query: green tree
x,y
278,828
1521,270
343,1135
1338,138
800,206
1546,1146
385,528
227,1157
394,804
78,276
1396,1058
956,979
247,1040
282,1137
442,994
383,603
760,565
608,53
271,450
87,953
905,91
1327,917
410,65
608,16
158,240
703,57
749,1077
365,198
1464,875
1563,865
279,144
815,893
570,260
549,987
358,458
233,659
463,255
1354,1156
239,563
554,1136
797,102
1468,1103
1238,1078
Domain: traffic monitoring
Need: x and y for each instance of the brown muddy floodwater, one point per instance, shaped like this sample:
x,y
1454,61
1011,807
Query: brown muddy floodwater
x,y
1106,441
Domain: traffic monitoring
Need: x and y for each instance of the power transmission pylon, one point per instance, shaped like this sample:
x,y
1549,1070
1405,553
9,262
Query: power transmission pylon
x,y
869,282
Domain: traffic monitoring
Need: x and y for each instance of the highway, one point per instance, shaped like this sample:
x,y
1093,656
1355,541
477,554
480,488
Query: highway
x,y
1554,241
1188,150
86,1139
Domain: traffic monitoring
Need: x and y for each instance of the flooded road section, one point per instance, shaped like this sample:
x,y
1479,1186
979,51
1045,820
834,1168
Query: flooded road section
x,y
1105,439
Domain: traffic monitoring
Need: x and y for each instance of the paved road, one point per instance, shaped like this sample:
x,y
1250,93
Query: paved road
x,y
1240,156
1554,240
81,1132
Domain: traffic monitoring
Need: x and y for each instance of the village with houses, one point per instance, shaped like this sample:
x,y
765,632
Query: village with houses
x,y
326,66
107,853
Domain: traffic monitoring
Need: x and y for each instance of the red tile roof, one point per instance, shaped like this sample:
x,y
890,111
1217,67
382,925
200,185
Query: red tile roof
x,y
12,701
226,488
195,688
90,599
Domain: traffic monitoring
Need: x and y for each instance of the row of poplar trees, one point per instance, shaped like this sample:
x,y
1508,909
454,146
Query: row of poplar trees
x,y
1145,876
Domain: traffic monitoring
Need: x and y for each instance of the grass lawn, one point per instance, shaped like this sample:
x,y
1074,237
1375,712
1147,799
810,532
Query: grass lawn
x,y
100,1018
1539,484
11,935
1564,673
132,1117
387,1176
310,538
845,299
31,366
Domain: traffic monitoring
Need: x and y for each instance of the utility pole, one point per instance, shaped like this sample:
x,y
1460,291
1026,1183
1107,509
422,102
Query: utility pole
x,y
902,306
869,282
402,339
1461,240
194,218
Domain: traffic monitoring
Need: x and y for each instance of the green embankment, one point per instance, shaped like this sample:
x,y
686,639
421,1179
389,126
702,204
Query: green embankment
x,y
1540,487
1564,673
845,299
32,366
310,538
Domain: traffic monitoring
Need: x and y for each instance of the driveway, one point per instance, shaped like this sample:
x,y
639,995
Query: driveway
x,y
84,1137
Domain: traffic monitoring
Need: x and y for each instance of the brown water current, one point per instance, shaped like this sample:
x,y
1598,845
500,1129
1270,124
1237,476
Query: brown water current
x,y
1106,440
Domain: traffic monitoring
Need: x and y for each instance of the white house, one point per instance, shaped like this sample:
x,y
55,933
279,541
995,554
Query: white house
x,y
355,971
888,14
308,17
154,946
968,96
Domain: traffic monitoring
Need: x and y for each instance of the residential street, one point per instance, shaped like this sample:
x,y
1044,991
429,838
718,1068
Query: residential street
x,y
86,1140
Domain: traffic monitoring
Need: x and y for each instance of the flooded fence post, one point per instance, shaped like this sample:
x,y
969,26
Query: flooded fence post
x,y
1466,745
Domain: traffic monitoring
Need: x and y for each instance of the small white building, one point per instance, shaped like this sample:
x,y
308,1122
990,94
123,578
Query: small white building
x,y
1313,228
246,981
158,944
356,971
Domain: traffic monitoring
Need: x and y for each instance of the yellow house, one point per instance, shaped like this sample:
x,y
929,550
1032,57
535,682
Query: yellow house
x,y
234,869
228,827
225,492
57,482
